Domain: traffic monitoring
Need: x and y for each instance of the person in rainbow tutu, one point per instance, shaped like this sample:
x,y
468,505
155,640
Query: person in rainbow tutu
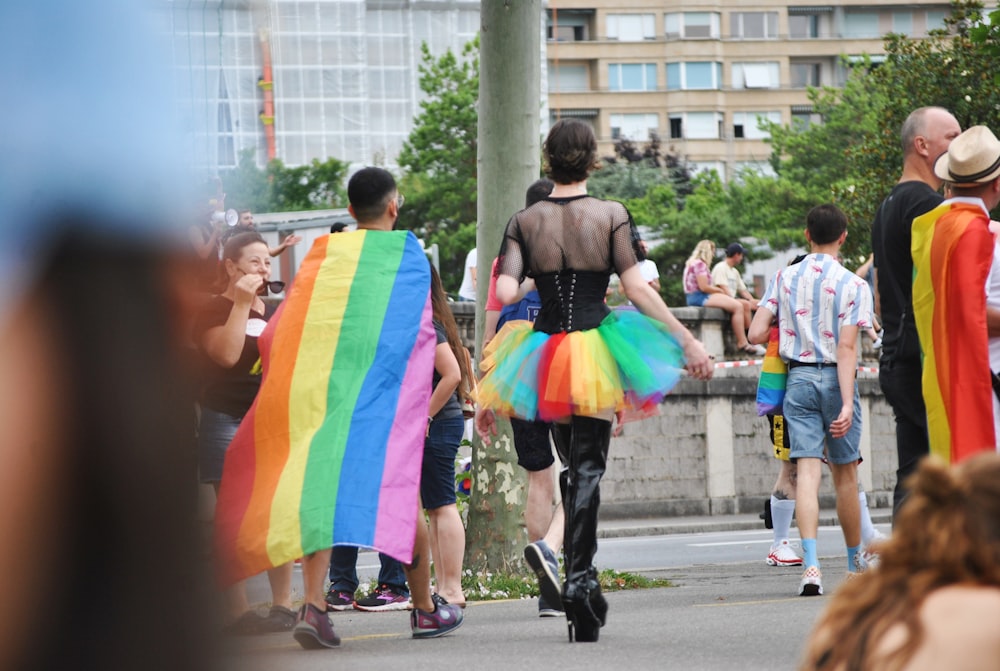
x,y
580,362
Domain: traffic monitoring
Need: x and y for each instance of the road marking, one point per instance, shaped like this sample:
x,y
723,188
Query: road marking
x,y
744,542
747,603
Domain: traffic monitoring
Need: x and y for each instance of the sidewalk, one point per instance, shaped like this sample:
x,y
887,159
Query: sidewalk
x,y
695,524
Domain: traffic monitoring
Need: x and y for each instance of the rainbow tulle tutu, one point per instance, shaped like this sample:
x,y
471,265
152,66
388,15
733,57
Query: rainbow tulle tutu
x,y
627,364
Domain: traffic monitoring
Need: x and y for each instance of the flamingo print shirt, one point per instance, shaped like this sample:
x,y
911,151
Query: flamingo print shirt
x,y
812,301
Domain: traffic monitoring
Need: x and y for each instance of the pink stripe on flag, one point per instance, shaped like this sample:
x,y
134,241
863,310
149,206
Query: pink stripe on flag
x,y
395,525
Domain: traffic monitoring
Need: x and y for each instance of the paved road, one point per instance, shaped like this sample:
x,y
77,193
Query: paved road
x,y
727,610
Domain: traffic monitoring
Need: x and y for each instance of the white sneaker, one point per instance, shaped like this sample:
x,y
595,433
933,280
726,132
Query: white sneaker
x,y
811,584
783,554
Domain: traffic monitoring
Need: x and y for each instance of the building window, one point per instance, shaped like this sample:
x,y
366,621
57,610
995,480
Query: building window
x,y
754,25
804,74
902,22
935,19
756,75
803,26
568,27
693,76
692,25
861,24
696,125
803,118
568,78
631,27
634,126
745,124
632,77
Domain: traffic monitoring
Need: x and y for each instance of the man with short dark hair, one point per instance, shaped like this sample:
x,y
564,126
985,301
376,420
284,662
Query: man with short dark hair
x,y
345,388
819,306
926,134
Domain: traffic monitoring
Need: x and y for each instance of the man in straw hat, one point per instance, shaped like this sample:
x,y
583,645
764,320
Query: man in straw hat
x,y
953,251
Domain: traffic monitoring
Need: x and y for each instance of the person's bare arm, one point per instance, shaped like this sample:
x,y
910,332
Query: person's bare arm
x,y
760,326
847,365
224,344
447,367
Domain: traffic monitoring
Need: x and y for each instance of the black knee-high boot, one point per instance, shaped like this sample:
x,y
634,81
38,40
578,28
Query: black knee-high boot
x,y
585,607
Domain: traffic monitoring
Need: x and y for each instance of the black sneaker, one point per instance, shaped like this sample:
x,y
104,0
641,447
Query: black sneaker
x,y
383,598
339,600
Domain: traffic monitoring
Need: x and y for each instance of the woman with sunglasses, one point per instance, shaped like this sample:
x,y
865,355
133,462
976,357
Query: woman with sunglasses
x,y
226,333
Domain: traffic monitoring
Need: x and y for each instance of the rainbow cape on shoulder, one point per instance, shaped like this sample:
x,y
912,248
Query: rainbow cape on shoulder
x,y
330,452
952,250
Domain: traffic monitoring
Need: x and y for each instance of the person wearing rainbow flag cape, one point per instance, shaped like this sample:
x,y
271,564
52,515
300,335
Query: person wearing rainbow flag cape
x,y
952,248
330,452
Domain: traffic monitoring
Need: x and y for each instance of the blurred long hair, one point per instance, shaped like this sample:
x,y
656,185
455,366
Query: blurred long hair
x,y
444,316
946,533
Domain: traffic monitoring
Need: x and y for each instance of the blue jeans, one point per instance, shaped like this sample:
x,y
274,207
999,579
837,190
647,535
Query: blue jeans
x,y
812,403
696,298
344,571
437,475
215,432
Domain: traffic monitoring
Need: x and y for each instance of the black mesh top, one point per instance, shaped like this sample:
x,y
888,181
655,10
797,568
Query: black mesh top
x,y
570,246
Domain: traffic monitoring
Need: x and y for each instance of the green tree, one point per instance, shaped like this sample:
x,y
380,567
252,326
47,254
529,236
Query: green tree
x,y
439,158
279,188
856,152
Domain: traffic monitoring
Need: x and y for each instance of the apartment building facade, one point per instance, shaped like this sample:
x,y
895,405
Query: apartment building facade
x,y
700,75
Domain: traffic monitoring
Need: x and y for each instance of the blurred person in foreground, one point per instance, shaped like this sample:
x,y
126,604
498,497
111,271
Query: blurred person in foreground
x,y
934,600
97,495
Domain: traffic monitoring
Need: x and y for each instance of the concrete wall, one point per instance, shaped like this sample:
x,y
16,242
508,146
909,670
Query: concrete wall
x,y
708,452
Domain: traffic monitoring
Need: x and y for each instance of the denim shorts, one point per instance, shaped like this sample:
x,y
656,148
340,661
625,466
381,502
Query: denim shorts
x,y
812,402
437,475
531,441
696,298
215,432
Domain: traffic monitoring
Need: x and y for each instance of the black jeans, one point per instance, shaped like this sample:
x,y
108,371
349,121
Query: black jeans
x,y
901,384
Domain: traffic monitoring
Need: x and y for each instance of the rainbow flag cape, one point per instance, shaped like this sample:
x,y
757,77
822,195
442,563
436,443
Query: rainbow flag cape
x,y
773,378
330,451
952,252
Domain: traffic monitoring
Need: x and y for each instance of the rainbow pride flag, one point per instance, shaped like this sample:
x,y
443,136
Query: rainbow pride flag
x,y
330,452
952,250
773,378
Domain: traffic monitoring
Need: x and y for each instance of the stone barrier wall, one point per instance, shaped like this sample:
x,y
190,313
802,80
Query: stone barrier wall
x,y
708,452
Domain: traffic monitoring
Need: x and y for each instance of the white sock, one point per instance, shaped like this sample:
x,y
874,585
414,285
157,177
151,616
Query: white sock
x,y
867,528
782,512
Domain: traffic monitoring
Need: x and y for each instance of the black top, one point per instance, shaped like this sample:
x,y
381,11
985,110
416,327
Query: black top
x,y
451,407
231,390
894,263
570,246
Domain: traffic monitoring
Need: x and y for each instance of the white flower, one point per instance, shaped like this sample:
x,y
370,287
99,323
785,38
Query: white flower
x,y
968,98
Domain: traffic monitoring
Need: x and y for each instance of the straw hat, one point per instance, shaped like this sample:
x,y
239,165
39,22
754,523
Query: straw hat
x,y
972,158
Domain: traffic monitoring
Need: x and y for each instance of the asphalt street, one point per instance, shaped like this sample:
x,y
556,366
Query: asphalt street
x,y
726,610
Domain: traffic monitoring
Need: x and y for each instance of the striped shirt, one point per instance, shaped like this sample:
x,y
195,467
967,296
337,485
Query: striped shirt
x,y
813,300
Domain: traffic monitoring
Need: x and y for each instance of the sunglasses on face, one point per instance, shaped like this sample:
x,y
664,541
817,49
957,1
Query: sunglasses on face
x,y
275,287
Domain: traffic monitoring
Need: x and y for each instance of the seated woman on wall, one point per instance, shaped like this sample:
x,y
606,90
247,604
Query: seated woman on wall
x,y
700,292
934,600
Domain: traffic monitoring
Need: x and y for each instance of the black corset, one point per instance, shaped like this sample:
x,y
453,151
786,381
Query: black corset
x,y
571,300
